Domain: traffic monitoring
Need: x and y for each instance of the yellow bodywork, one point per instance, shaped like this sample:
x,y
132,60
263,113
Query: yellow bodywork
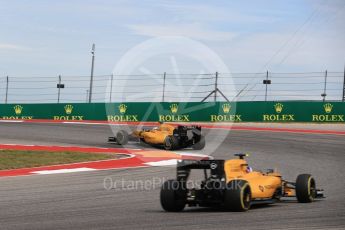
x,y
262,185
156,135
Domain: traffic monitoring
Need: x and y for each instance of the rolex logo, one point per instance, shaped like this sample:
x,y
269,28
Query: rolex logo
x,y
278,107
122,108
226,108
328,107
174,108
68,109
18,109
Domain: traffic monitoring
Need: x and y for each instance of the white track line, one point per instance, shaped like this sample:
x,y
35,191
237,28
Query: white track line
x,y
192,154
58,171
162,163
82,123
18,144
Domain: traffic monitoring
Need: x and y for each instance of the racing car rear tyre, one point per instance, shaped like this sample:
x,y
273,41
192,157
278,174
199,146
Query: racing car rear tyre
x,y
122,137
173,196
200,144
237,196
305,188
171,143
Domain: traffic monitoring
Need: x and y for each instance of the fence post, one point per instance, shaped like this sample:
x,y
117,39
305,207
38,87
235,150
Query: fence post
x,y
216,87
344,86
59,88
324,88
111,86
266,85
164,77
92,67
6,96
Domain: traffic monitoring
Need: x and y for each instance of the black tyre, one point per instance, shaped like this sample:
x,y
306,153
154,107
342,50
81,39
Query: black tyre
x,y
171,143
305,188
122,137
237,196
173,196
200,144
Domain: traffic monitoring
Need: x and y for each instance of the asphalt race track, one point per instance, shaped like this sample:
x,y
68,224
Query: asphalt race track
x,y
80,201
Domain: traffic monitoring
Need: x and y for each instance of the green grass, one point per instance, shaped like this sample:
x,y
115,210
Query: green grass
x,y
12,159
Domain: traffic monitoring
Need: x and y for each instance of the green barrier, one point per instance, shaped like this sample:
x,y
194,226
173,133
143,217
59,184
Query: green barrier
x,y
291,111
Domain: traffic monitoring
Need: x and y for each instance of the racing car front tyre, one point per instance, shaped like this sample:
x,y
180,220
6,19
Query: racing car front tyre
x,y
171,143
305,188
200,144
237,196
173,196
122,137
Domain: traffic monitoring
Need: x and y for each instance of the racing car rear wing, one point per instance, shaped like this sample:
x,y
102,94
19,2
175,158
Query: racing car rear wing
x,y
182,130
216,168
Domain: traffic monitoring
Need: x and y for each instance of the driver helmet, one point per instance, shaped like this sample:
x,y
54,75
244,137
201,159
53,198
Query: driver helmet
x,y
249,169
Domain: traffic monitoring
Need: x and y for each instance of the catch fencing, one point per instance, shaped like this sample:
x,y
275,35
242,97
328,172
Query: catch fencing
x,y
166,87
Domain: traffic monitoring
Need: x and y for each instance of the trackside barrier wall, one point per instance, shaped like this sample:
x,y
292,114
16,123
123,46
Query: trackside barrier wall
x,y
291,111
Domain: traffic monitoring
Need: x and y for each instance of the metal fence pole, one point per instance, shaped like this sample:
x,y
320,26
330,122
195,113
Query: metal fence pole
x,y
325,88
92,67
111,87
6,96
344,87
59,87
266,85
164,77
216,87
87,95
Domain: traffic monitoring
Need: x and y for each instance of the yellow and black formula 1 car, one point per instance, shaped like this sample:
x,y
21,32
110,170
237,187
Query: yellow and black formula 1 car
x,y
231,184
169,136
